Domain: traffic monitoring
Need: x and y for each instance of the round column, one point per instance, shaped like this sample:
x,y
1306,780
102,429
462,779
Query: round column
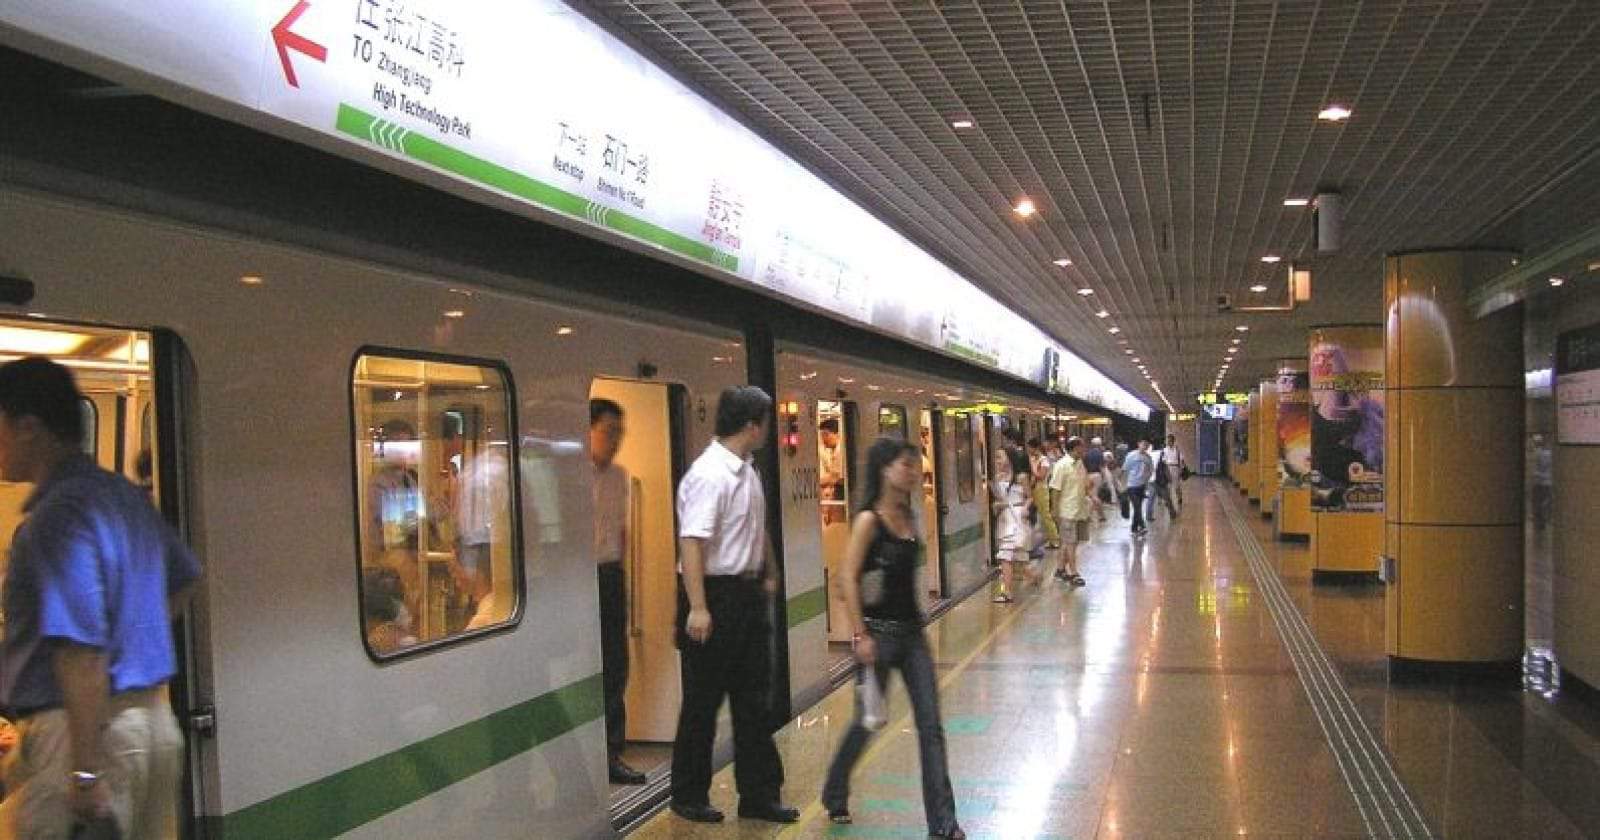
x,y
1267,472
1453,464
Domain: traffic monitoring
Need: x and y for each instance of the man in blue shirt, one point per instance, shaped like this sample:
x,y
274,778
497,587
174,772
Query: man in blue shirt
x,y
94,576
1138,468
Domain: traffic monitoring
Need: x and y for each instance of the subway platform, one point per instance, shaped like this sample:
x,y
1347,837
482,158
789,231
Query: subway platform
x,y
1199,687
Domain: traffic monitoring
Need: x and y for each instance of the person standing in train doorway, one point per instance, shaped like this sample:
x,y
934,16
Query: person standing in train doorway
x,y
729,577
610,543
95,576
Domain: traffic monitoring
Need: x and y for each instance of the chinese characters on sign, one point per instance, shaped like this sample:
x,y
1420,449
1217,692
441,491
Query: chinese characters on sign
x,y
404,27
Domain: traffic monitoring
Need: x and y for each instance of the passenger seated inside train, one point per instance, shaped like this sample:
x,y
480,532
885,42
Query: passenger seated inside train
x,y
383,606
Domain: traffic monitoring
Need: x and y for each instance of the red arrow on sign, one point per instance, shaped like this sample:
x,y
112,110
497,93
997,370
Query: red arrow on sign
x,y
285,41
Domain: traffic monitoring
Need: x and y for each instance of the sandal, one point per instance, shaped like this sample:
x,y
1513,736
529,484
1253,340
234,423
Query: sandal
x,y
839,816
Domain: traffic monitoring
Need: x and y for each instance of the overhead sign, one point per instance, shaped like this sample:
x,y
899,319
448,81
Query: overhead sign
x,y
532,102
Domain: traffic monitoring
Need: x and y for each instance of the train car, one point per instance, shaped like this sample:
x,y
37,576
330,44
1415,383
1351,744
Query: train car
x,y
386,475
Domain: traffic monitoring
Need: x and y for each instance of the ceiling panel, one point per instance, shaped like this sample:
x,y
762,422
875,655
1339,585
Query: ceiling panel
x,y
1159,140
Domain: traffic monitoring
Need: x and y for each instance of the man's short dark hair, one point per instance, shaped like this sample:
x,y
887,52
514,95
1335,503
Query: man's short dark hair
x,y
1073,443
1034,443
829,425
739,406
38,387
600,409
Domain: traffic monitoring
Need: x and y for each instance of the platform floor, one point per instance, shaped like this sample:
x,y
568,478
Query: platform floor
x,y
1170,699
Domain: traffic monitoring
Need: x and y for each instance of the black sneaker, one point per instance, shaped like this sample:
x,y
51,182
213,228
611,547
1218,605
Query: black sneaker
x,y
622,774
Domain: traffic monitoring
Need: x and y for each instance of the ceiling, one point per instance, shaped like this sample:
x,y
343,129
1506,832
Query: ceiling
x,y
1159,140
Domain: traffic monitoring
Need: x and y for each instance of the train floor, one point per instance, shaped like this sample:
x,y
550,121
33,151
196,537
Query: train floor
x,y
1200,686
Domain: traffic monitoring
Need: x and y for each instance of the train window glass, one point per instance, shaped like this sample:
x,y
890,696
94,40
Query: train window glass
x,y
892,421
436,498
90,444
966,477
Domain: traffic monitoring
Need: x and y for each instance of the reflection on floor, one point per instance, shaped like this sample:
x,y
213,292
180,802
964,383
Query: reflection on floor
x,y
1161,702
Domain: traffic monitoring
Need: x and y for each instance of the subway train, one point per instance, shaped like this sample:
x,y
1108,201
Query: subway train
x,y
386,474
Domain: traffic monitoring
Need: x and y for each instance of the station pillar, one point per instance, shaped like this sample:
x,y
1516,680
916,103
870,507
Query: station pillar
x,y
1267,481
1453,471
1249,480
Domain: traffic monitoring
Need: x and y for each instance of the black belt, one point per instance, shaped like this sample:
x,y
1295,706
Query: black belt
x,y
893,626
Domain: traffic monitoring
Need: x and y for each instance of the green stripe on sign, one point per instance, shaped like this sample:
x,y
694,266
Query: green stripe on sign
x,y
333,805
807,605
963,538
424,149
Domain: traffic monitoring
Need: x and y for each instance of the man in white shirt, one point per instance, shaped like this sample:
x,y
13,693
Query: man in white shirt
x,y
610,543
729,577
1070,503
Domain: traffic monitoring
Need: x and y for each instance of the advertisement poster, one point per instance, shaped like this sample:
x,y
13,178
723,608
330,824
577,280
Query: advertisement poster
x,y
1294,424
1578,387
1347,419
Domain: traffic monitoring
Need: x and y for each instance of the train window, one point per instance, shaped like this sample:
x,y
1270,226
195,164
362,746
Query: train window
x,y
892,421
966,478
436,497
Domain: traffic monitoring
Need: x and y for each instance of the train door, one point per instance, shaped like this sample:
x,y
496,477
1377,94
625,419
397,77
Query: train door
x,y
652,458
959,456
836,434
931,513
116,372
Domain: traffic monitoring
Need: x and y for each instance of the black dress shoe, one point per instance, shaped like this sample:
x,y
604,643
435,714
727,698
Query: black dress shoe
x,y
770,811
697,813
622,774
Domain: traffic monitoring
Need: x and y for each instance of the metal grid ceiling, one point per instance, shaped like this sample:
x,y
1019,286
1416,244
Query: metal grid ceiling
x,y
1159,139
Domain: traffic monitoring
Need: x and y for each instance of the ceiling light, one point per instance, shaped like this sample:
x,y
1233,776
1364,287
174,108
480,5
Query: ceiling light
x,y
1025,208
454,313
1086,291
1136,360
1063,262
1102,314
1594,266
27,341
1557,281
1129,351
1232,350
1242,328
1334,113
1237,340
1114,330
251,280
1258,288
1296,202
1271,258
563,330
961,123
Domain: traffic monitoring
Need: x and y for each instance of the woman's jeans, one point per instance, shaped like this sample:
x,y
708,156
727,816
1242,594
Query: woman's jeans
x,y
907,652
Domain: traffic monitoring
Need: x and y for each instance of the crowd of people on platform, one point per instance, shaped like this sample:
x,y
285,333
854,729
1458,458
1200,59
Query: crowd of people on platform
x,y
1047,497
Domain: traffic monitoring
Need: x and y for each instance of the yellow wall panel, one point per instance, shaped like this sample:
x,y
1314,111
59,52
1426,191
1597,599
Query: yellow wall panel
x,y
1440,343
1294,512
1346,542
1457,456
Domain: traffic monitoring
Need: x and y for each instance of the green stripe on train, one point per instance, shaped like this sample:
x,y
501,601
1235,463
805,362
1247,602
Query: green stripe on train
x,y
806,606
962,538
333,805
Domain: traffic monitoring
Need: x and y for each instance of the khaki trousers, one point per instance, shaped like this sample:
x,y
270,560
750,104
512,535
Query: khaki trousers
x,y
143,750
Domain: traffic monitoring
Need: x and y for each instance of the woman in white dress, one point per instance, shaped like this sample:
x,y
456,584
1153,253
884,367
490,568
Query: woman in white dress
x,y
1011,493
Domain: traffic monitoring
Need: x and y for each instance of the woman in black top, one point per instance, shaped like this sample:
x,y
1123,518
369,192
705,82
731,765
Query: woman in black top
x,y
879,587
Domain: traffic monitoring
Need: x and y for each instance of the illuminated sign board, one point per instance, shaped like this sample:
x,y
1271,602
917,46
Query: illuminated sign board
x,y
530,105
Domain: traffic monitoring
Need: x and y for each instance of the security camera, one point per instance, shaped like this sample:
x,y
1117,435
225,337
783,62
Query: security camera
x,y
1224,303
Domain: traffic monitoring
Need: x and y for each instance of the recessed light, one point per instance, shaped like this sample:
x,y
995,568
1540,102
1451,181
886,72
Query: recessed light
x,y
1557,281
1242,328
961,123
1296,202
1086,291
1258,288
1114,330
251,280
1136,360
1271,258
1237,340
454,313
1102,314
1334,113
1063,262
1232,350
1025,208
1129,351
563,330
1594,266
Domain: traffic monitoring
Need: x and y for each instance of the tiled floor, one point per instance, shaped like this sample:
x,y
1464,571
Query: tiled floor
x,y
1161,702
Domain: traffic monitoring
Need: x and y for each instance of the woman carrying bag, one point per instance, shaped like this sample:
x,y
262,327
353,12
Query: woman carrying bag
x,y
878,584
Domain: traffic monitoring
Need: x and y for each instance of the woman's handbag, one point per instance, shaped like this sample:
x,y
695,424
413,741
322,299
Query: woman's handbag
x,y
874,711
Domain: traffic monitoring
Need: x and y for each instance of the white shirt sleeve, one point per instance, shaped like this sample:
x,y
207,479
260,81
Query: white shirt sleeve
x,y
697,507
